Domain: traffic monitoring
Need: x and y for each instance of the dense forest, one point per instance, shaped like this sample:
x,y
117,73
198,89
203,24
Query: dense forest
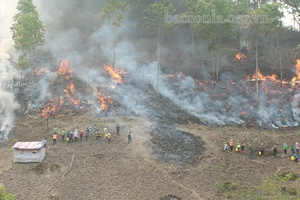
x,y
192,36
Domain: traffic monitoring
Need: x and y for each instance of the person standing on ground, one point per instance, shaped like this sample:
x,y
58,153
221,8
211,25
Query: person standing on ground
x,y
71,137
108,137
262,149
63,134
118,129
54,137
274,151
97,134
231,144
91,131
238,146
86,135
75,135
296,158
105,130
68,136
297,147
129,137
81,135
292,149
250,151
225,147
285,148
242,148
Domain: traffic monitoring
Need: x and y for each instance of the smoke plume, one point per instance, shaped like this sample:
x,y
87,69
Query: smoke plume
x,y
7,72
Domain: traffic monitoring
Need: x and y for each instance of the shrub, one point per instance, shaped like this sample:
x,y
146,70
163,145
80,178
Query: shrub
x,y
6,196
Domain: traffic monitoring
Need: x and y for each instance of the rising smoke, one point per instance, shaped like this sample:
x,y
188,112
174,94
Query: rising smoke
x,y
7,72
75,31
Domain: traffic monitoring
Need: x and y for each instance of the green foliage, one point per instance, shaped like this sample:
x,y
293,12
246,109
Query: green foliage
x,y
215,27
227,186
6,196
27,31
115,9
156,15
268,190
266,19
242,6
22,61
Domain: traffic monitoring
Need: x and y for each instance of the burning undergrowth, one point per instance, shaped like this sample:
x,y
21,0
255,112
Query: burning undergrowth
x,y
267,102
263,102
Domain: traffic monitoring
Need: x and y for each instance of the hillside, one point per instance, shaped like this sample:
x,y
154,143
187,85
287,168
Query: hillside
x,y
134,171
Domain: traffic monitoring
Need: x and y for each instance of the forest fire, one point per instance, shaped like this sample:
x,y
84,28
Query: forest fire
x,y
40,71
297,77
65,69
105,102
235,102
70,91
52,108
115,74
239,56
56,107
261,77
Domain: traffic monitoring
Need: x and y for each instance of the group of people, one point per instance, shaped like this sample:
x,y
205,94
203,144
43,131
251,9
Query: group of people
x,y
76,135
240,148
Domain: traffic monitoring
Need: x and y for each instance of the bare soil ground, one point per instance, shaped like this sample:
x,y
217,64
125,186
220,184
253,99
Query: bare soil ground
x,y
131,171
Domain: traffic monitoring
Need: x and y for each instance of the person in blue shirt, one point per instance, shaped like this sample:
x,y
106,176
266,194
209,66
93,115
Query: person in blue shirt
x,y
118,129
296,158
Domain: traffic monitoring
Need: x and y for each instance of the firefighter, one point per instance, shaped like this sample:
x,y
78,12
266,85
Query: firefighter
x,y
231,144
54,137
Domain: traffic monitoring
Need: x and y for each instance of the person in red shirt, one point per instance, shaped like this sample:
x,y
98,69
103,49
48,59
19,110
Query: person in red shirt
x,y
81,135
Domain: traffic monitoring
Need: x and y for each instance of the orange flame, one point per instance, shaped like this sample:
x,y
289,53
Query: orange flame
x,y
70,91
239,56
272,77
52,108
115,74
297,77
40,71
105,102
64,69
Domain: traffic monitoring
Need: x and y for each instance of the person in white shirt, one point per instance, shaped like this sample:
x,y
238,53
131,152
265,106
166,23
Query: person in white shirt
x,y
108,137
75,135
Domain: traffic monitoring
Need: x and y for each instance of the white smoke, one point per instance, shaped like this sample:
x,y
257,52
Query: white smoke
x,y
7,72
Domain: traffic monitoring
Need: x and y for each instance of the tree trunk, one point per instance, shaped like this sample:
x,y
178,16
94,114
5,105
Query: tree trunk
x,y
217,67
256,69
213,65
114,48
20,82
158,58
192,43
280,60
